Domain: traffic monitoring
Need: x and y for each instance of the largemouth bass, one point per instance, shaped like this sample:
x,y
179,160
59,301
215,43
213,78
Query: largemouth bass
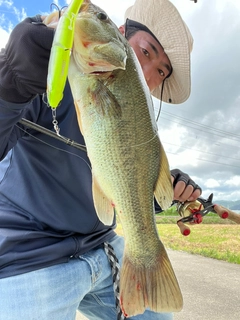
x,y
129,166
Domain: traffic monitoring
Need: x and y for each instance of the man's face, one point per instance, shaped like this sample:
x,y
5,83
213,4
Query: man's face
x,y
154,62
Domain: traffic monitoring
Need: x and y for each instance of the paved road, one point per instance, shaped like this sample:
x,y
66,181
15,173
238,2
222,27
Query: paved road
x,y
211,288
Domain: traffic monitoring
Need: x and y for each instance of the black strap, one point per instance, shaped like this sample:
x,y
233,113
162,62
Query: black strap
x,y
114,263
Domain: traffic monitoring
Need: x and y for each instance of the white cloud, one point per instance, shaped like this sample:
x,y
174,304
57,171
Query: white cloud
x,y
19,13
211,183
6,24
7,3
233,181
3,38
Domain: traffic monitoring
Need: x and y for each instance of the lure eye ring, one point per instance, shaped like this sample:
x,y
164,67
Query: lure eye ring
x,y
102,16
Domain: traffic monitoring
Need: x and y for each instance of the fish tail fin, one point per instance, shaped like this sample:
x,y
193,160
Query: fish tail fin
x,y
154,287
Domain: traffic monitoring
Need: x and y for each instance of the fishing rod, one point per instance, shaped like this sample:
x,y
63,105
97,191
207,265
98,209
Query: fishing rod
x,y
52,134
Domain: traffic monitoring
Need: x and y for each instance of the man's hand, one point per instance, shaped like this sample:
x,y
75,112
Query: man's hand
x,y
185,189
24,61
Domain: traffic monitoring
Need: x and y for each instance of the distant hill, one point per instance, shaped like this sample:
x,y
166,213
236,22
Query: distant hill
x,y
233,205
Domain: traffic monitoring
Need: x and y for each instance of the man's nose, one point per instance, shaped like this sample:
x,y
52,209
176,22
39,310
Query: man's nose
x,y
147,73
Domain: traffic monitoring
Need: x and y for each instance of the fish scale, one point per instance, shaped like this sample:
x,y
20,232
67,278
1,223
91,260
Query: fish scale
x,y
129,166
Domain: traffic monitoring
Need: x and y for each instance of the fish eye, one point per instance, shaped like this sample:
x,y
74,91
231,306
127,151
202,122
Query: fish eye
x,y
102,16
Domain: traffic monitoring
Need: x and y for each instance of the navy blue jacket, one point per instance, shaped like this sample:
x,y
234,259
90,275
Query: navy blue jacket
x,y
47,214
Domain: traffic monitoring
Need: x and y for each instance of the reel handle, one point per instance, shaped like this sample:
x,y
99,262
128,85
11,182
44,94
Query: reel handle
x,y
185,230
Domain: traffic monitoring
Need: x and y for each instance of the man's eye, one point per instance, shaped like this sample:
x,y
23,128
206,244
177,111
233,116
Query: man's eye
x,y
162,74
145,52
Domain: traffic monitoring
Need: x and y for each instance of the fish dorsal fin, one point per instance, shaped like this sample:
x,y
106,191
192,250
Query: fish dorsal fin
x,y
103,205
164,189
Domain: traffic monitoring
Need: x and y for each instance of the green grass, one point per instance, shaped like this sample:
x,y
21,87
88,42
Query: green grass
x,y
215,238
211,218
220,242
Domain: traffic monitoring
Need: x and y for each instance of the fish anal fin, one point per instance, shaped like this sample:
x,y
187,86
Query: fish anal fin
x,y
164,189
103,205
154,287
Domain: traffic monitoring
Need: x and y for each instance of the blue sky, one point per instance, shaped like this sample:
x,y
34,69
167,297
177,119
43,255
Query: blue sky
x,y
14,11
200,136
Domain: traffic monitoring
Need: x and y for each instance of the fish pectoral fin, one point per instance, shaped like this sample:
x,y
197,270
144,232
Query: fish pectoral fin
x,y
155,287
106,101
164,189
79,117
102,204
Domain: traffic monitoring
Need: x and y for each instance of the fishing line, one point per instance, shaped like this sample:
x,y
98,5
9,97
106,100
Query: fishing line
x,y
141,144
160,105
58,9
54,147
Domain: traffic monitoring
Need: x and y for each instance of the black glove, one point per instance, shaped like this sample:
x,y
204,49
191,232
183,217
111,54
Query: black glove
x,y
178,175
157,207
24,61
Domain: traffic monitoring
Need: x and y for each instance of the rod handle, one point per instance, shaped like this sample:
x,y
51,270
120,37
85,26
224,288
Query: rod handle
x,y
227,213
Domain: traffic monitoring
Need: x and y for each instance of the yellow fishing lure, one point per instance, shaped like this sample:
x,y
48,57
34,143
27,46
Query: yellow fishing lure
x,y
60,54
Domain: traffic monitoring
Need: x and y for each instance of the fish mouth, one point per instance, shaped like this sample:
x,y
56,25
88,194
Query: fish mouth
x,y
99,72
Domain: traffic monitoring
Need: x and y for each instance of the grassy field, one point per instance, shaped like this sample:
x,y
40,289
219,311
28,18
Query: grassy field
x,y
215,238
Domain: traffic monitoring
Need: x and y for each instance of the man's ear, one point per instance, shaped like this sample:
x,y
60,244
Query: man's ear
x,y
122,29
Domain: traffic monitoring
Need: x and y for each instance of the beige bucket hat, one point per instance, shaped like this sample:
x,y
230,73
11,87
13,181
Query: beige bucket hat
x,y
163,19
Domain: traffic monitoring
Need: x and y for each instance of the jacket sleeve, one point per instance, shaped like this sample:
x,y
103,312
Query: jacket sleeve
x,y
10,114
24,61
23,76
